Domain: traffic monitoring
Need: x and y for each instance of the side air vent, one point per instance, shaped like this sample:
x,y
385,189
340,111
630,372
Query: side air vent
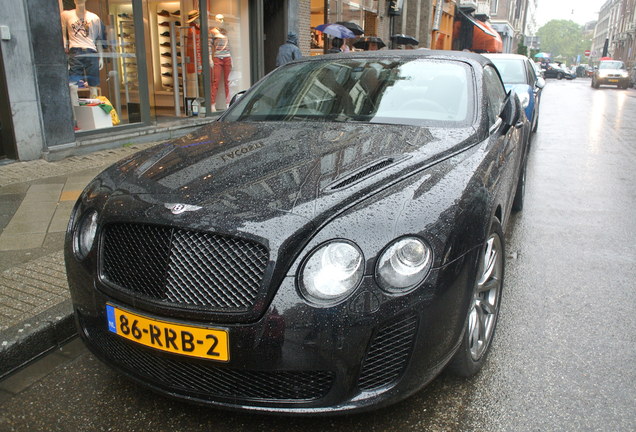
x,y
362,174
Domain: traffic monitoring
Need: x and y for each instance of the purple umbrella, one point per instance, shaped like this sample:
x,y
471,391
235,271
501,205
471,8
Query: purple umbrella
x,y
336,30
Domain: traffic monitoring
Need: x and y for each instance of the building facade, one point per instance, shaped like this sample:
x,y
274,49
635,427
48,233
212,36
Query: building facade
x,y
509,18
76,76
606,30
624,40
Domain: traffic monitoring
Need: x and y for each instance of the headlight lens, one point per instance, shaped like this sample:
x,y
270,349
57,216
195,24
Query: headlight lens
x,y
85,234
332,272
624,74
404,265
524,98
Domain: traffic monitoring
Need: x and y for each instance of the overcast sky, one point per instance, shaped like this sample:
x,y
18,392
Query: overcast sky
x,y
579,11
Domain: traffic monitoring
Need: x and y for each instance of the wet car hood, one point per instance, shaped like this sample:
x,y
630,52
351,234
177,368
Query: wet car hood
x,y
246,171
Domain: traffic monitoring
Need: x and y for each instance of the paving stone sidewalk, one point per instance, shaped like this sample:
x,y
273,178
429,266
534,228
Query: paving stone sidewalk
x,y
35,308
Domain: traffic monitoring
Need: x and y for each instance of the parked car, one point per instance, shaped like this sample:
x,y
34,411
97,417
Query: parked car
x,y
331,244
519,74
611,72
555,70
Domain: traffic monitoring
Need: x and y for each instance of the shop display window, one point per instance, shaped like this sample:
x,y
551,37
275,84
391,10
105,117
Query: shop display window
x,y
362,12
103,51
100,44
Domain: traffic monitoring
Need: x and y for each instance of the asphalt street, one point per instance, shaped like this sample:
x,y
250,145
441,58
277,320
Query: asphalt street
x,y
564,353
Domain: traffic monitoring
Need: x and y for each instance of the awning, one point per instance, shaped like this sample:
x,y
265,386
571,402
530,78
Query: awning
x,y
479,24
484,42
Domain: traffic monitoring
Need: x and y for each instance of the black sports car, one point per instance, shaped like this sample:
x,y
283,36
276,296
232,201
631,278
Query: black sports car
x,y
332,243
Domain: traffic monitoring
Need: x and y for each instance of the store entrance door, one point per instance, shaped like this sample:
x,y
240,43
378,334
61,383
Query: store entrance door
x,y
7,138
274,25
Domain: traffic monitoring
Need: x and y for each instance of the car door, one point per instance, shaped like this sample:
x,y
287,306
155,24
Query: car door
x,y
509,139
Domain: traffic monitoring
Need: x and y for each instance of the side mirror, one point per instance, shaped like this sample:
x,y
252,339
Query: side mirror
x,y
511,111
540,82
236,97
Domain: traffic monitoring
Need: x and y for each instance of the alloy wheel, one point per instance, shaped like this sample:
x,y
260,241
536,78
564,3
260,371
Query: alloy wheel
x,y
485,307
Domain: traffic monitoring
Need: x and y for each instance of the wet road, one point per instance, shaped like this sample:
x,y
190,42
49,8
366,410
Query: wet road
x,y
564,357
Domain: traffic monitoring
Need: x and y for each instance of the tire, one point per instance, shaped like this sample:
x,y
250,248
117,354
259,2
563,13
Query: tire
x,y
483,310
517,204
536,120
559,76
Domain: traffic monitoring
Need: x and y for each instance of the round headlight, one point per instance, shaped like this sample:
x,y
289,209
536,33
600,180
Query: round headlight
x,y
404,264
524,97
85,234
332,272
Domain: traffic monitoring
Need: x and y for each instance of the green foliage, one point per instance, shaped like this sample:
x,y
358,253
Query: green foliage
x,y
522,49
564,38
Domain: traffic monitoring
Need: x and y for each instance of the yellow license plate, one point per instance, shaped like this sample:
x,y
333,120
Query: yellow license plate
x,y
193,341
612,80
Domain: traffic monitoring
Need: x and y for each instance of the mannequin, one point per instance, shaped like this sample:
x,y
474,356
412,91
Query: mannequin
x,y
221,63
81,30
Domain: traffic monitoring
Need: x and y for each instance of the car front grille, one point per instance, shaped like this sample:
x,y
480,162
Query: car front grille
x,y
180,267
208,381
388,354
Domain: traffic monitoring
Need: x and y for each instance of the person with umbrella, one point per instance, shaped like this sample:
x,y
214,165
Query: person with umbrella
x,y
339,33
336,46
369,43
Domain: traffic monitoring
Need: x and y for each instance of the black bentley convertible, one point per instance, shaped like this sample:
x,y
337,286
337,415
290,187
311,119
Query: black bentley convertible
x,y
331,244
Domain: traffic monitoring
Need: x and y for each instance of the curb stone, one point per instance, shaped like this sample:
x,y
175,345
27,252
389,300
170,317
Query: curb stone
x,y
35,337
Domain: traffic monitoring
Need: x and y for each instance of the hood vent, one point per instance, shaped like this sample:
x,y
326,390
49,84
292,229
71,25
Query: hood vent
x,y
362,174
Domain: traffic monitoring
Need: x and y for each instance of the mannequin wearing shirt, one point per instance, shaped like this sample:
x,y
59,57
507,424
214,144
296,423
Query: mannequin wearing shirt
x,y
81,29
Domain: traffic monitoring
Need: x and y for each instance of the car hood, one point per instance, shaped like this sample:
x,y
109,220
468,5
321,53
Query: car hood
x,y
240,171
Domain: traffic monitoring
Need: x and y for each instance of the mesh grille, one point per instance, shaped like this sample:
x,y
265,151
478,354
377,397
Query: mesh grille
x,y
388,354
211,381
176,266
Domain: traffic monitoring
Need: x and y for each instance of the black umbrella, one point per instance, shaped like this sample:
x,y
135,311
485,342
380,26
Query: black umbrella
x,y
363,43
402,39
355,28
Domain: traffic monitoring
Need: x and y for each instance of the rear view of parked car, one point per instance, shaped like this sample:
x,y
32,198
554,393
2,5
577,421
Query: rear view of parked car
x,y
611,72
518,73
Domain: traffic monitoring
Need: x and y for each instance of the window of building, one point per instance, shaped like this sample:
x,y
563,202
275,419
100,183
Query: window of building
x,y
140,60
494,6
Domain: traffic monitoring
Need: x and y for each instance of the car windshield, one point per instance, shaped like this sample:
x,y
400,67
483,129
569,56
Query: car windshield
x,y
511,70
411,91
611,65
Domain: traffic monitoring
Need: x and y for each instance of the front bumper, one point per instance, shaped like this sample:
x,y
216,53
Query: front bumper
x,y
617,81
368,351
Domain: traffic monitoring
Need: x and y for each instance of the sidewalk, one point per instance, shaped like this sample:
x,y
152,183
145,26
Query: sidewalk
x,y
36,199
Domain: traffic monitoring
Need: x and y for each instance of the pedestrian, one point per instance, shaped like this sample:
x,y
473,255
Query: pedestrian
x,y
336,46
289,50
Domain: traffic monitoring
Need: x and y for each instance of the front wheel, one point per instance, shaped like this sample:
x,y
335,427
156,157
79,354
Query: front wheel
x,y
559,76
483,310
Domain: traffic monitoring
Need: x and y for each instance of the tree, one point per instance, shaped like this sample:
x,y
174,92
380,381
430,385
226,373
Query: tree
x,y
564,38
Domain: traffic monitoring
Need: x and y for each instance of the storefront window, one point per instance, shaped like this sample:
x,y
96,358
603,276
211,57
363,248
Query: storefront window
x,y
102,63
103,53
229,49
317,17
363,13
